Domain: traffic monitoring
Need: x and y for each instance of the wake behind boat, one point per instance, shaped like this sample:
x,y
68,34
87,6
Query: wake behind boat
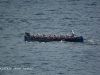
x,y
49,37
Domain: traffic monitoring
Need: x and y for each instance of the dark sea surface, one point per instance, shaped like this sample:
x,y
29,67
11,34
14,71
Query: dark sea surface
x,y
49,17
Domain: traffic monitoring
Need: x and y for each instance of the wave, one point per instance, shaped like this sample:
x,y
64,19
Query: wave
x,y
92,42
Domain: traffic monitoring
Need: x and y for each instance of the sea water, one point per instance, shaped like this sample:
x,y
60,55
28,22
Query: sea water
x,y
18,57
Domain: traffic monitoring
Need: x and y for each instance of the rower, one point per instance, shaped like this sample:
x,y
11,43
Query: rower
x,y
27,34
37,36
55,36
44,36
62,36
66,36
49,36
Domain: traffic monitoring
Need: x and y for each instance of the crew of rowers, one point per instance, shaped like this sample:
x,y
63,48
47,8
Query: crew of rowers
x,y
50,35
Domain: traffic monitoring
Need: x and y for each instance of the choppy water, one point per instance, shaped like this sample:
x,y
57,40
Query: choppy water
x,y
55,17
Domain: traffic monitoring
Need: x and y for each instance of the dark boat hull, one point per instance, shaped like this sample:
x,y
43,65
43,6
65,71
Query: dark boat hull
x,y
75,39
45,39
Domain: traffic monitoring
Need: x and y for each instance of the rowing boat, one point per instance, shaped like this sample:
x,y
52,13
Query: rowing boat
x,y
28,37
